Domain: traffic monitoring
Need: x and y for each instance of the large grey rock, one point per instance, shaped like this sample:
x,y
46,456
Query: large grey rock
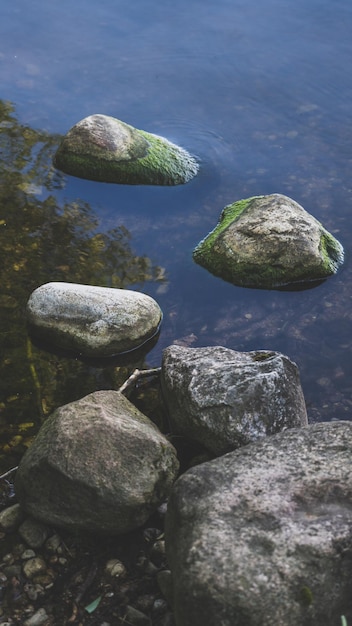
x,y
97,464
92,321
224,399
105,149
269,242
263,536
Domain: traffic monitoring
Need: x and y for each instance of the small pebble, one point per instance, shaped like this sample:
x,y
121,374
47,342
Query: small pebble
x,y
33,533
27,554
160,606
52,543
32,592
29,609
11,518
12,570
136,618
39,618
115,568
45,579
8,558
33,567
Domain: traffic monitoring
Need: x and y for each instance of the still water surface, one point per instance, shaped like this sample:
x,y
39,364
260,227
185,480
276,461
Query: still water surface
x,y
261,92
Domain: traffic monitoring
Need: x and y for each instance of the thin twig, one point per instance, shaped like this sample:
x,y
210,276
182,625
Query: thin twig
x,y
136,375
14,469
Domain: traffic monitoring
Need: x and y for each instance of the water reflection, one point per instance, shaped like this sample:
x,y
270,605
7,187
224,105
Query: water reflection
x,y
260,93
42,240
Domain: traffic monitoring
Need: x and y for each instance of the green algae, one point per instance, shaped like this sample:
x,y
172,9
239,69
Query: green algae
x,y
230,213
207,253
146,159
332,252
306,596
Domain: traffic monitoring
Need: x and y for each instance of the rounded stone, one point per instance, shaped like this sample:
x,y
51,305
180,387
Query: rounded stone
x,y
104,149
39,618
92,321
96,464
115,568
33,533
33,567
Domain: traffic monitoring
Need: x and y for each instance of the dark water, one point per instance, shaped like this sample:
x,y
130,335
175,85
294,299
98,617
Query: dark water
x,y
260,92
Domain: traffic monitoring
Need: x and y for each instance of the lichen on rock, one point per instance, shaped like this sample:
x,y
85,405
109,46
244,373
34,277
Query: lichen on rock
x,y
262,535
224,399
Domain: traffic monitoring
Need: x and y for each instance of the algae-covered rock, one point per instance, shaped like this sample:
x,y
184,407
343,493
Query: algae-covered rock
x,y
269,242
107,150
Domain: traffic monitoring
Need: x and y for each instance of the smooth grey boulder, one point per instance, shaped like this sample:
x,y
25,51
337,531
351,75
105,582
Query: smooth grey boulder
x,y
225,399
92,321
269,242
263,535
97,464
103,148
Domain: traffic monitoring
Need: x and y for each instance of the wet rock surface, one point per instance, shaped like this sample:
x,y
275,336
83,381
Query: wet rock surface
x,y
97,464
263,536
224,399
269,242
92,321
266,512
104,149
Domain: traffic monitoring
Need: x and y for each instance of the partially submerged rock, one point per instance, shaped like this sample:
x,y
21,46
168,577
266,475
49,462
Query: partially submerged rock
x,y
97,464
105,149
224,399
269,242
92,321
263,535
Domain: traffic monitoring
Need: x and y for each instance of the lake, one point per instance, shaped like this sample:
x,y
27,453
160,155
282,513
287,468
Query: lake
x,y
260,92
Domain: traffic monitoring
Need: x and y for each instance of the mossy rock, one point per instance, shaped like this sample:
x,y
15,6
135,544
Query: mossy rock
x,y
107,150
269,242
